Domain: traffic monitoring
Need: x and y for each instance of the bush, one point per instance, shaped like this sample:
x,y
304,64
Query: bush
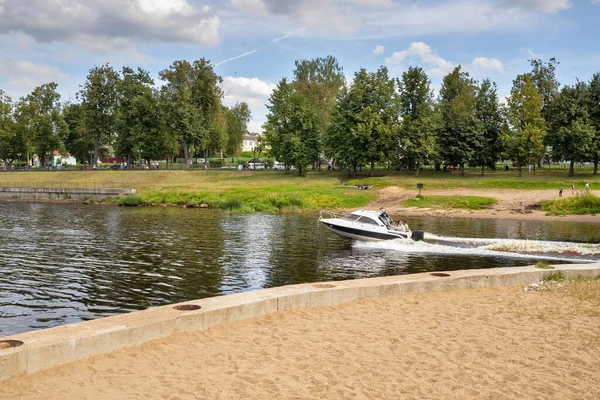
x,y
130,200
587,203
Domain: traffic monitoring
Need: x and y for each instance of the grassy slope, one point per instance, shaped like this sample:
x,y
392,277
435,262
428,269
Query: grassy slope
x,y
274,190
584,204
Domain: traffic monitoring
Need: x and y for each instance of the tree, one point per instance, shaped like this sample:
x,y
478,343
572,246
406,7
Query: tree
x,y
192,98
489,114
40,118
417,129
99,100
594,107
320,80
76,141
572,130
237,118
459,134
138,118
365,120
524,135
292,127
8,150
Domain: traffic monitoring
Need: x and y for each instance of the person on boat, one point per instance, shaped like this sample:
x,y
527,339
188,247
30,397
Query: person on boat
x,y
405,224
400,226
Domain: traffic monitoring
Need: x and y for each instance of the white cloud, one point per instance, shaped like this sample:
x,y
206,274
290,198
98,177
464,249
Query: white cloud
x,y
370,19
422,54
253,91
487,64
21,76
379,49
549,6
143,20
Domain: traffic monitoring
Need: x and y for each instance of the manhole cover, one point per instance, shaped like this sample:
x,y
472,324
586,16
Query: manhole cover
x,y
439,274
187,307
324,286
7,344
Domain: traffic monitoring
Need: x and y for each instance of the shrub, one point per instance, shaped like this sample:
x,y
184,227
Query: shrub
x,y
131,200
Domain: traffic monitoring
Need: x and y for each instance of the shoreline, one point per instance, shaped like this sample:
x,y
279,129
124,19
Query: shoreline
x,y
512,204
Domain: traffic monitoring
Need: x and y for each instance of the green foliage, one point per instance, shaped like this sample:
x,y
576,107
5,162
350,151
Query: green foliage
x,y
133,200
292,127
462,202
417,129
524,135
554,276
236,122
572,130
586,203
99,97
543,265
488,147
8,145
364,124
459,134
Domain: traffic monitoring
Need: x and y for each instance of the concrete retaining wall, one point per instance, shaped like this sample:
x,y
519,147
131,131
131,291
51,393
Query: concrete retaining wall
x,y
52,347
58,193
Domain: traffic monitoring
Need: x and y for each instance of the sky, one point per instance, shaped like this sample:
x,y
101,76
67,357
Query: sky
x,y
254,43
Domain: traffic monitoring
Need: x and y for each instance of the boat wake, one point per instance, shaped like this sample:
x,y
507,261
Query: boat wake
x,y
508,248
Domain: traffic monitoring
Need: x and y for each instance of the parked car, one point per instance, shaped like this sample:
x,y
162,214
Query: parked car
x,y
277,166
256,166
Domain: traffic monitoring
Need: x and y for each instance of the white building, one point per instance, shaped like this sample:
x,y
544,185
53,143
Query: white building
x,y
250,141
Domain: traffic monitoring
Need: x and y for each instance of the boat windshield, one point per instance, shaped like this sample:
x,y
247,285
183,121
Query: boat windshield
x,y
387,221
351,217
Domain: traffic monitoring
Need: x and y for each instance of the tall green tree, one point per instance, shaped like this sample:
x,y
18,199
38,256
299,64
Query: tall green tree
x,y
40,116
292,127
459,135
236,120
573,133
320,80
99,100
365,121
192,99
489,113
594,108
416,136
77,142
526,130
138,119
8,145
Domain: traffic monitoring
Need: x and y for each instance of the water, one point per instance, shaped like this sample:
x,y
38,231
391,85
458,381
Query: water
x,y
63,263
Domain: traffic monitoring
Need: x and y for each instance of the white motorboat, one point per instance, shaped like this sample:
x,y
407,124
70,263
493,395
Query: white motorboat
x,y
367,225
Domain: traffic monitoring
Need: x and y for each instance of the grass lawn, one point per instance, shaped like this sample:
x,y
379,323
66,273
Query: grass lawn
x,y
584,204
274,190
463,202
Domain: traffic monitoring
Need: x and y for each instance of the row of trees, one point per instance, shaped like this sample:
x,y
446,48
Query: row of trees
x,y
379,119
126,111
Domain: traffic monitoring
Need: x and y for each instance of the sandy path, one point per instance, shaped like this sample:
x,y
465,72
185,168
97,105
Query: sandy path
x,y
512,204
501,343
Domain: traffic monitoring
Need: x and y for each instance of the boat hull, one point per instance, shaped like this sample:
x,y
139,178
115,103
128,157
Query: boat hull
x,y
348,232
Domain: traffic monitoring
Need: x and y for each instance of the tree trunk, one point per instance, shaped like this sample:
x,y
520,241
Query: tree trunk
x,y
596,167
462,169
572,168
186,155
372,168
520,170
418,168
482,170
438,166
355,168
129,161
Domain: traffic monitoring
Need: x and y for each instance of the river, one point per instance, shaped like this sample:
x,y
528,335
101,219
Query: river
x,y
64,263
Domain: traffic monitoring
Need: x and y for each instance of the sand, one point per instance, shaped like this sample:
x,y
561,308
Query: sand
x,y
499,343
512,204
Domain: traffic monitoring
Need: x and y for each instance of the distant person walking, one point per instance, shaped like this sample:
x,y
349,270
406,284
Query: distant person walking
x,y
587,187
560,192
574,190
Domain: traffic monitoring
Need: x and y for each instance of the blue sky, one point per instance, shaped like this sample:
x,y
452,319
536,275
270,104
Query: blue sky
x,y
254,43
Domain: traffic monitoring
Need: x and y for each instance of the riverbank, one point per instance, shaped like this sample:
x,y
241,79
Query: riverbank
x,y
499,342
518,204
274,191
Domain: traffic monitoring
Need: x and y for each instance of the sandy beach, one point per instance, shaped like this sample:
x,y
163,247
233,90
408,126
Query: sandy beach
x,y
511,204
498,343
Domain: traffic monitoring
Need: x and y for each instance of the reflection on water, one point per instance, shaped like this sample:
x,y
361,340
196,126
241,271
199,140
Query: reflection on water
x,y
66,263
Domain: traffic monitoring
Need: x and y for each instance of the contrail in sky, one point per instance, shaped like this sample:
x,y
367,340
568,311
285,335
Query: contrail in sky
x,y
274,41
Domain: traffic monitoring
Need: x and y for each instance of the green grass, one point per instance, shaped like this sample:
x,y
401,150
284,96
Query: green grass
x,y
554,276
462,202
586,203
543,265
